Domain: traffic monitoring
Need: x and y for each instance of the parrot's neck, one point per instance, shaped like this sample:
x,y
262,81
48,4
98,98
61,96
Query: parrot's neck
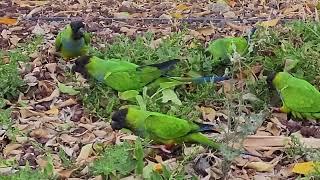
x,y
136,119
97,68
280,80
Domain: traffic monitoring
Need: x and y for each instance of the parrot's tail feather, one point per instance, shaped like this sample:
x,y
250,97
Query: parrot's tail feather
x,y
207,128
167,65
201,139
209,79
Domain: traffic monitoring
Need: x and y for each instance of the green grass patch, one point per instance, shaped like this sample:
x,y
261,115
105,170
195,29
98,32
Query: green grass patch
x,y
120,160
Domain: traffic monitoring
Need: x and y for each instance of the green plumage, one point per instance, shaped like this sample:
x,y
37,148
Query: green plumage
x,y
122,75
298,96
71,43
162,128
221,49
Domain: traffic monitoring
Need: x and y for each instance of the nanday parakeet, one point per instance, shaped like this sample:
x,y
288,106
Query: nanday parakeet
x,y
119,74
162,128
72,41
222,48
299,97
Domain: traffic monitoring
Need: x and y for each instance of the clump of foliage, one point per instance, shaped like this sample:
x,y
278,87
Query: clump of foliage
x,y
9,71
10,89
9,67
120,160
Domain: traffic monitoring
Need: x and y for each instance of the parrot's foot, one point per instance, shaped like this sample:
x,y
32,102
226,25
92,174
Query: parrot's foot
x,y
162,147
278,110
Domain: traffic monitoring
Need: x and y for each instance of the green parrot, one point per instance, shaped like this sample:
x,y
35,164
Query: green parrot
x,y
221,49
121,75
298,96
162,128
72,41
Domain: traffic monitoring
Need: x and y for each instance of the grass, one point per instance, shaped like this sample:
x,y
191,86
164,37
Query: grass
x,y
274,49
9,62
120,160
271,48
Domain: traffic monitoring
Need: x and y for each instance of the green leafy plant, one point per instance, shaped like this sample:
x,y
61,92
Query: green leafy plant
x,y
119,160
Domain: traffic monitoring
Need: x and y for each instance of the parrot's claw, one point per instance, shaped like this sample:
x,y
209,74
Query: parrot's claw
x,y
162,147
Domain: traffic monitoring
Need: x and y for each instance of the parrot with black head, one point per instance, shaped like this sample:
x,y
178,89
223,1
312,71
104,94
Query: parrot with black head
x,y
73,41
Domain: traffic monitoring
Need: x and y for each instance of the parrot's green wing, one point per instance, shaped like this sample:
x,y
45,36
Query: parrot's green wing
x,y
167,127
58,42
131,79
300,96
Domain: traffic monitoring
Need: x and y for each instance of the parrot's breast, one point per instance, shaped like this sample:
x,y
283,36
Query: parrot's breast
x,y
73,48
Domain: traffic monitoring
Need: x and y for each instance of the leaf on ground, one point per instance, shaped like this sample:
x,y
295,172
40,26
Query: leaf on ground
x,y
84,153
10,148
270,23
206,31
123,15
170,95
26,113
53,111
208,113
264,166
261,166
39,133
127,95
65,173
23,3
183,7
53,95
304,167
7,20
67,89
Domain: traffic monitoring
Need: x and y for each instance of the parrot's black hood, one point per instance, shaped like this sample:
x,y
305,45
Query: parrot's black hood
x,y
77,29
80,66
270,77
119,119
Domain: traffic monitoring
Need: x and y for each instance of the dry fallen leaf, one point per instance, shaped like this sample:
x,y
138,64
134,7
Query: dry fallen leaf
x,y
26,113
9,148
39,133
65,173
304,167
53,111
261,166
53,95
206,31
273,128
25,3
14,39
7,20
84,153
270,23
208,113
